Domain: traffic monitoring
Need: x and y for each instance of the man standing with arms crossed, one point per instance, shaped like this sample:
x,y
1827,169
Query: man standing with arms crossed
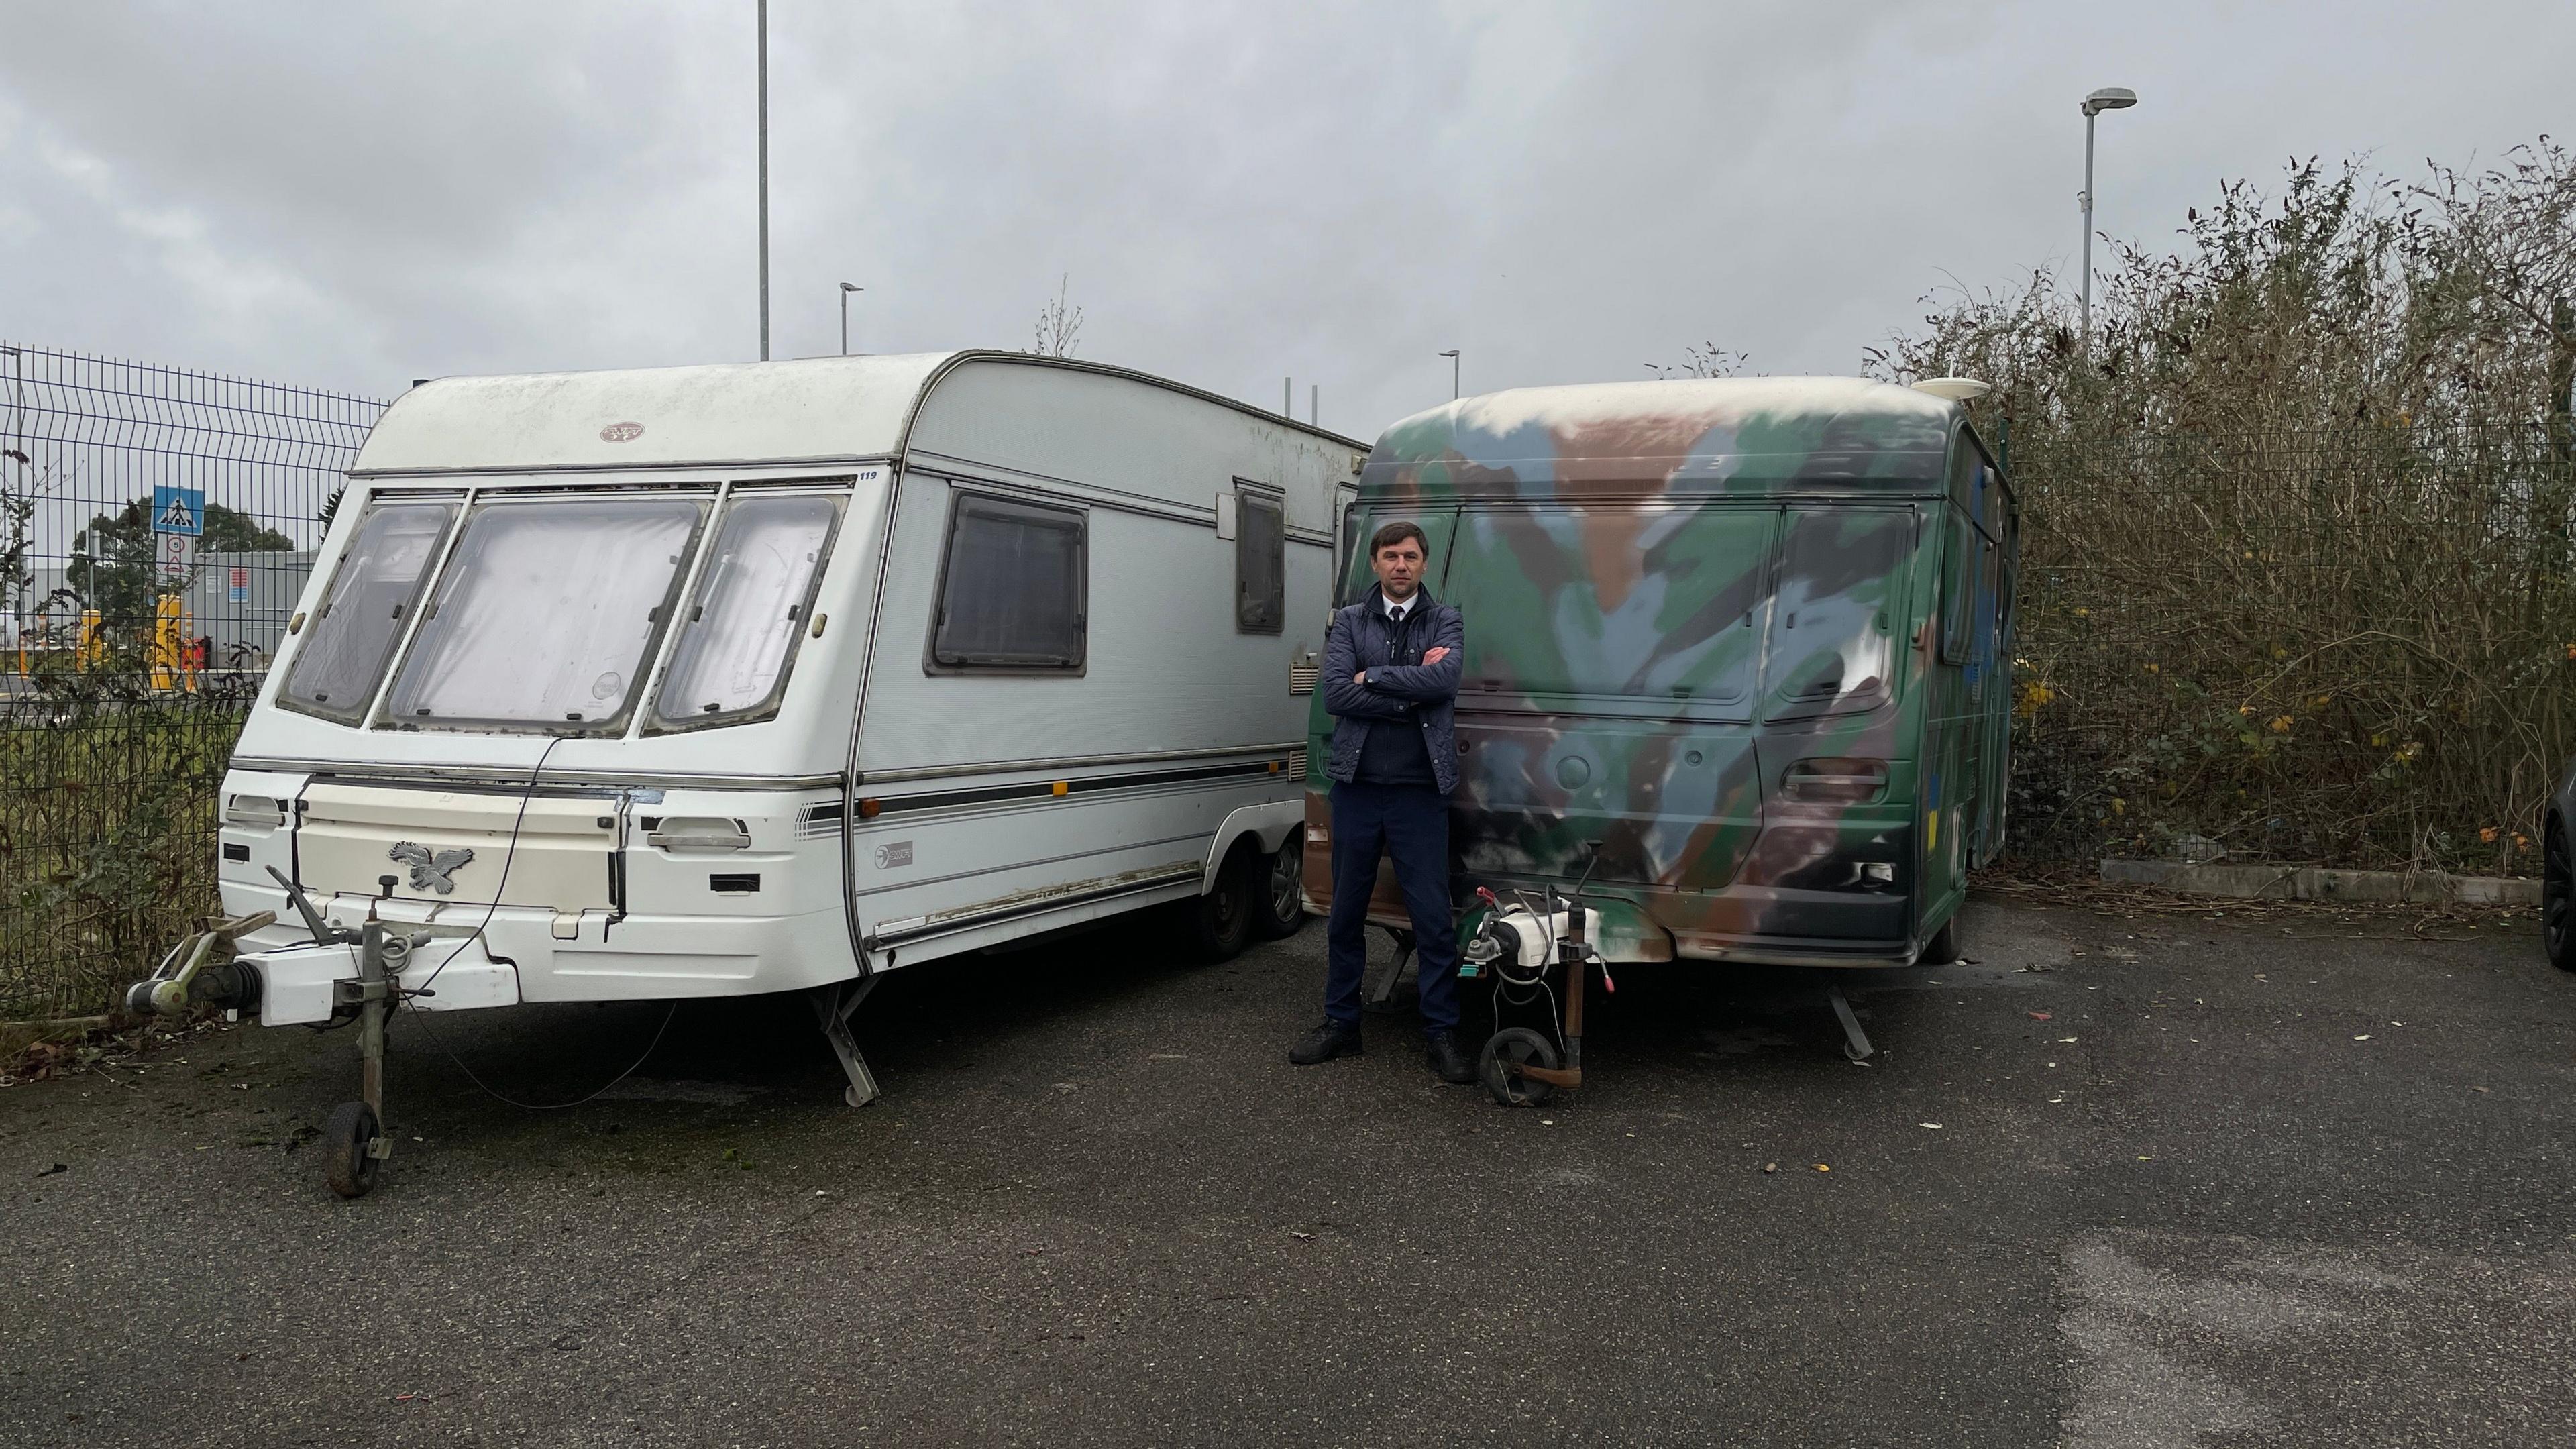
x,y
1390,679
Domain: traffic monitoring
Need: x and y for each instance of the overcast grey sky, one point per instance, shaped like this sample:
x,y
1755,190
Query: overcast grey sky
x,y
352,194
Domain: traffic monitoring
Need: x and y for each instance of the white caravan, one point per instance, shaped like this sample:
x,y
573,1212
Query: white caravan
x,y
708,681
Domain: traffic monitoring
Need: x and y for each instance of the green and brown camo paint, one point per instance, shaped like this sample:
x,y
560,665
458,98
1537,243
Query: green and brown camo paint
x,y
1678,593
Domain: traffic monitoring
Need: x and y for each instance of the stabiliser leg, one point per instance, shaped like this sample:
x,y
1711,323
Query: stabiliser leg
x,y
354,1142
834,1005
1855,1041
1383,997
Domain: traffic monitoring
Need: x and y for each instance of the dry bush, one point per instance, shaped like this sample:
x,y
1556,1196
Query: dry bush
x,y
2296,570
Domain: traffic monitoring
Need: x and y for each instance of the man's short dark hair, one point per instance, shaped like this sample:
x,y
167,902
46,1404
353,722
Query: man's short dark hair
x,y
1395,533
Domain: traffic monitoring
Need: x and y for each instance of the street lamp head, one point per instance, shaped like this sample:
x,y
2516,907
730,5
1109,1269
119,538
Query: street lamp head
x,y
2110,98
852,287
1452,352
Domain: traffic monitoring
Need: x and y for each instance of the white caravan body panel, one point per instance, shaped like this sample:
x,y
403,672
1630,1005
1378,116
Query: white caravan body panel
x,y
881,809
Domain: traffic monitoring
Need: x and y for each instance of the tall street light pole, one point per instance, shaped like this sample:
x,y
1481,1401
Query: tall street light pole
x,y
846,290
2108,98
1452,355
764,180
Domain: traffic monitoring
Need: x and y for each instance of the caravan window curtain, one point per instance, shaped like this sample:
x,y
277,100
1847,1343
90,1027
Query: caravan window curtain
x,y
373,591
548,614
755,594
1260,562
1011,587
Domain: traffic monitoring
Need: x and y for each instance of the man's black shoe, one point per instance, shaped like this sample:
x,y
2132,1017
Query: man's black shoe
x,y
1326,1042
1441,1050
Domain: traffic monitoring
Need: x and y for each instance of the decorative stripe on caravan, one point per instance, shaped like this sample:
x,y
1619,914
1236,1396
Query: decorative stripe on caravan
x,y
825,818
1033,902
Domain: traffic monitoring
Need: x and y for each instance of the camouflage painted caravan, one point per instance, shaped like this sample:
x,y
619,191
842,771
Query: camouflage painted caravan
x,y
1749,634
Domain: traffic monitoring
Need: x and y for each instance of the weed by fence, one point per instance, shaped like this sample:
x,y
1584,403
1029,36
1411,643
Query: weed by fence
x,y
126,662
2351,645
2297,554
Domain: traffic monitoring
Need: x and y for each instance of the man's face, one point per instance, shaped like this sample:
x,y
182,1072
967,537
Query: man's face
x,y
1399,568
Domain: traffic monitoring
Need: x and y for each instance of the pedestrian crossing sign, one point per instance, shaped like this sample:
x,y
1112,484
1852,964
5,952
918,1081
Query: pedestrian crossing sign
x,y
178,510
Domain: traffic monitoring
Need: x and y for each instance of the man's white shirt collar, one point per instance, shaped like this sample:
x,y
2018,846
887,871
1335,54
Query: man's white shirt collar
x,y
1397,611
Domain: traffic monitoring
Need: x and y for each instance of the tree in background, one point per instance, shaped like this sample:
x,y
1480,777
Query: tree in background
x,y
113,568
1703,359
2296,573
21,489
2346,298
1059,329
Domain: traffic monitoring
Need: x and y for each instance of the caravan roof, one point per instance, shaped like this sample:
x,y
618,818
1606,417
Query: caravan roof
x,y
825,407
1696,435
817,409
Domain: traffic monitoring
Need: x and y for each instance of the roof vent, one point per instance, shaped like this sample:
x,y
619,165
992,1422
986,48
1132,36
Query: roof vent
x,y
1956,389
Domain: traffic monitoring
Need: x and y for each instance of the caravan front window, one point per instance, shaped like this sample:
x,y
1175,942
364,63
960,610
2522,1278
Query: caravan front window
x,y
378,582
1833,622
754,593
547,614
1614,602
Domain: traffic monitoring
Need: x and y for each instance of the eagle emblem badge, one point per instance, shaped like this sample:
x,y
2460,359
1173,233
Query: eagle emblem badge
x,y
428,871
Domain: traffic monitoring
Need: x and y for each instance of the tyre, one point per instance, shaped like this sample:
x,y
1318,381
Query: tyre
x,y
1218,925
347,1134
2557,897
1943,948
1283,895
1516,1046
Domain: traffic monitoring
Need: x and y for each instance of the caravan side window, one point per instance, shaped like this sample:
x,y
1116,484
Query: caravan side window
x,y
1012,586
1260,562
1958,588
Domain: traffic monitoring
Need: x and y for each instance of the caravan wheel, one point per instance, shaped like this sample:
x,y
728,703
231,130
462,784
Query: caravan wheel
x,y
1283,880
348,1149
1220,922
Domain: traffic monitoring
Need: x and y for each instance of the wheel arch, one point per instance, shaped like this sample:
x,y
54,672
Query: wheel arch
x,y
1266,826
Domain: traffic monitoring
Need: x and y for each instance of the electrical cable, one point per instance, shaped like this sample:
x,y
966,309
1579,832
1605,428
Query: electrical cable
x,y
509,856
504,1097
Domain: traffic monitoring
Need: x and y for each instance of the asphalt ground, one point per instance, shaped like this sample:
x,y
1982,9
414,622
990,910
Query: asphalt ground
x,y
2128,1180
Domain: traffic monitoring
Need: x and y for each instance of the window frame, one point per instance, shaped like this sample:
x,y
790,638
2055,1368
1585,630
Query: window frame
x,y
1248,495
962,496
1958,618
649,659
396,644
1346,523
1777,705
1964,537
653,721
1741,706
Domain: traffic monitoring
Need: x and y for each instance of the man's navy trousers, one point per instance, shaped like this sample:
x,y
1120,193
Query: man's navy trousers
x,y
1410,823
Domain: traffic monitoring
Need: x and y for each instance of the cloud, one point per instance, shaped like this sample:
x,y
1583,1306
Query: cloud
x,y
356,195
